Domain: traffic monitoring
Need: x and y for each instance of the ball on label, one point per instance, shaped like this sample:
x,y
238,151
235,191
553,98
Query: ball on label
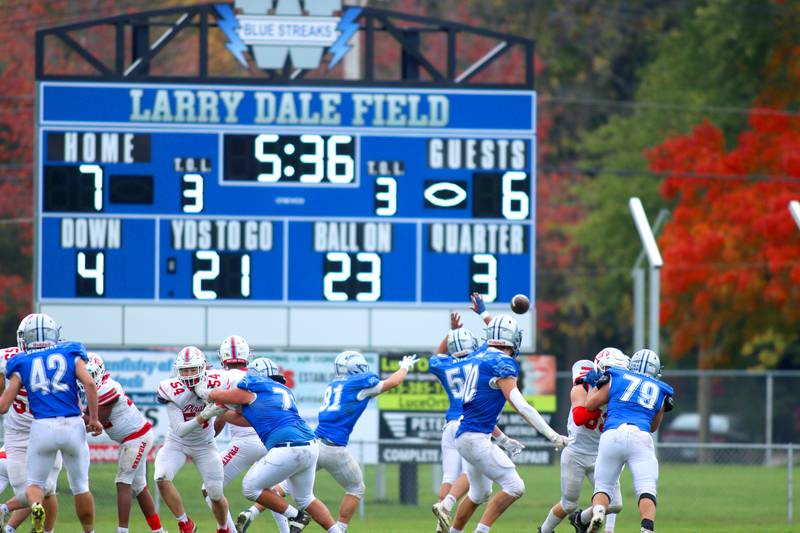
x,y
520,304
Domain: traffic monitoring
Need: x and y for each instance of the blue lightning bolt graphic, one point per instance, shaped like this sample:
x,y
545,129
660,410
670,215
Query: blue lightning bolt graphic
x,y
346,28
228,24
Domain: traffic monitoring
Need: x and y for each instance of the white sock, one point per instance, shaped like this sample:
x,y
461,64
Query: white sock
x,y
254,512
342,526
449,502
482,528
454,530
290,512
550,523
335,529
183,518
10,529
50,531
281,521
611,521
122,530
231,524
586,515
4,508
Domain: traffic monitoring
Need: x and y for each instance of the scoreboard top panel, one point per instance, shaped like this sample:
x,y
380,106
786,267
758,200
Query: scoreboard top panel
x,y
283,195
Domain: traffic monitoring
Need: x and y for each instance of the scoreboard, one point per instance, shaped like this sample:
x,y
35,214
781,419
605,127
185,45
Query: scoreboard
x,y
283,196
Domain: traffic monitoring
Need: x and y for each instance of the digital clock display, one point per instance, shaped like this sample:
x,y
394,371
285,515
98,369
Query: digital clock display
x,y
388,197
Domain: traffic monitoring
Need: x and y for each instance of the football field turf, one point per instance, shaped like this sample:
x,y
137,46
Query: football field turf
x,y
692,499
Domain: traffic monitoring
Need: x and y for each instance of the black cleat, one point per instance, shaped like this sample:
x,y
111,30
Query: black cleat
x,y
299,522
575,520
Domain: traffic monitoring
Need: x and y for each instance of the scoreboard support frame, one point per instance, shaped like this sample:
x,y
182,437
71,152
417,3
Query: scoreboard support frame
x,y
121,323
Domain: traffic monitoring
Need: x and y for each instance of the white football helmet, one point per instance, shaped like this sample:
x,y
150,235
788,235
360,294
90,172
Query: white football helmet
x,y
96,368
581,368
37,331
234,350
611,357
460,342
350,362
263,367
646,362
190,364
502,331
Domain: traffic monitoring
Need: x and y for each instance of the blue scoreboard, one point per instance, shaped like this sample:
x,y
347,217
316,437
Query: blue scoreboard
x,y
154,193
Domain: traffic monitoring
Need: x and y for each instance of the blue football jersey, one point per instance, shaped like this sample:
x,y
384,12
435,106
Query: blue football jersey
x,y
634,399
273,414
452,373
49,378
482,402
341,407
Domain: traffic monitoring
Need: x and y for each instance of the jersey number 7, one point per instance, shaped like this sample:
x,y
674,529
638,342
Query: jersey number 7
x,y
647,391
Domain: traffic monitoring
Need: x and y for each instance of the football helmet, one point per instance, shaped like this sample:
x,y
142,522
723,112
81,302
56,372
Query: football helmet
x,y
611,357
37,331
234,350
504,331
581,368
646,362
190,364
96,368
460,342
350,362
264,367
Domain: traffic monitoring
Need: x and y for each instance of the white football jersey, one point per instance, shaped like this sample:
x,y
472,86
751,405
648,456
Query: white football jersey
x,y
238,432
19,417
176,392
125,419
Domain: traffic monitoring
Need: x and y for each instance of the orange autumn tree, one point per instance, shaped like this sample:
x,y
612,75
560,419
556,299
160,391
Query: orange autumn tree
x,y
731,277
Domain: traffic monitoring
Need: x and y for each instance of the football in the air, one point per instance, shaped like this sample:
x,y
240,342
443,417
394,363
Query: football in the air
x,y
520,304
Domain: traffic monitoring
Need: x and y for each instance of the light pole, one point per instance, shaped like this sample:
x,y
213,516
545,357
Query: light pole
x,y
649,249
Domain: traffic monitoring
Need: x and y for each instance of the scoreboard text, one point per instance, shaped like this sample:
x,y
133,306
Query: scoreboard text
x,y
203,193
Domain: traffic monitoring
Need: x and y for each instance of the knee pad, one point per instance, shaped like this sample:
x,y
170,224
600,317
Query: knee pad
x,y
138,487
357,490
515,487
305,501
614,507
478,498
568,506
648,496
21,497
250,490
214,490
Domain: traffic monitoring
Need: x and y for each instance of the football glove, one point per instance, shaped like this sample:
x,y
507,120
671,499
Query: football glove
x,y
512,446
211,410
201,390
560,441
669,404
407,363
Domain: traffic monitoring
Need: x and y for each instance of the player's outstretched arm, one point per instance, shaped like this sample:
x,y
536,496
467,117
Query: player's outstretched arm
x,y
232,417
658,418
455,323
230,396
90,389
528,413
12,389
406,364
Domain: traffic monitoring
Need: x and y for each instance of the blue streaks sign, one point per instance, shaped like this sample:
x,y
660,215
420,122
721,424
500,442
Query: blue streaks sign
x,y
284,195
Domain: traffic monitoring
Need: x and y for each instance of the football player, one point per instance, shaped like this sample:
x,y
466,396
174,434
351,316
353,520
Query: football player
x,y
245,448
50,371
16,429
578,459
125,425
636,401
191,435
269,407
451,370
490,382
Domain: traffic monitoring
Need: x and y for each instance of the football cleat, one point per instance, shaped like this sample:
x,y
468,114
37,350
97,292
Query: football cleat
x,y
598,517
187,527
243,521
299,522
37,518
575,520
442,518
4,516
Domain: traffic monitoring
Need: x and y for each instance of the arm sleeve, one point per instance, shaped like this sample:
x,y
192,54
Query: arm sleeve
x,y
107,395
176,422
581,416
531,415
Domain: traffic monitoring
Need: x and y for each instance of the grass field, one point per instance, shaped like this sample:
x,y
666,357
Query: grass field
x,y
692,499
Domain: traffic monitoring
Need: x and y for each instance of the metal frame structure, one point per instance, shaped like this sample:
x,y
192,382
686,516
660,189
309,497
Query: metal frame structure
x,y
418,65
